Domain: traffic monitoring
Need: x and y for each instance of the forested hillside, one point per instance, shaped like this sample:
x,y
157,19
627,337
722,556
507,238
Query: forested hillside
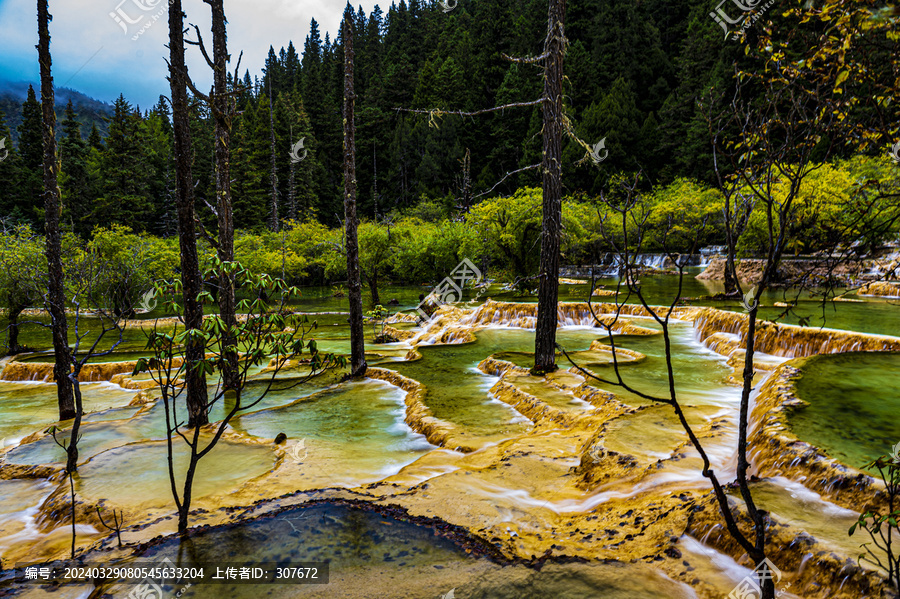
x,y
628,82
635,74
89,111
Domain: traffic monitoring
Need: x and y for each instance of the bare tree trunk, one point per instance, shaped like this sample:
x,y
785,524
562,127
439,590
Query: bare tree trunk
x,y
292,192
222,112
373,288
358,364
273,215
467,181
192,283
72,449
548,292
55,299
13,340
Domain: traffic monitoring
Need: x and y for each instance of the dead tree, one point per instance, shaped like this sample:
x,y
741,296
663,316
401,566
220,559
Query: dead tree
x,y
191,281
627,245
273,176
551,229
223,108
358,364
555,123
55,299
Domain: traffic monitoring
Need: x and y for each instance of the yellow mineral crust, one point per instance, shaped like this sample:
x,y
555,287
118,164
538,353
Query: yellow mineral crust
x,y
880,289
789,341
776,451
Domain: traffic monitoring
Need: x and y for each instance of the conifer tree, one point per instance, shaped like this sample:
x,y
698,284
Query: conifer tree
x,y
55,299
74,179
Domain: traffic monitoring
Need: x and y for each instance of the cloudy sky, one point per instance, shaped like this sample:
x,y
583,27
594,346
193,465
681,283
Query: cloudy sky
x,y
95,50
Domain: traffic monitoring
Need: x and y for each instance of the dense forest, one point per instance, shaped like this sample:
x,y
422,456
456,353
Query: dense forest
x,y
634,73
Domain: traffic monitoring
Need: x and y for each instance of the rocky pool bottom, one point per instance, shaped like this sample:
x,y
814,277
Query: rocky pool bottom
x,y
572,488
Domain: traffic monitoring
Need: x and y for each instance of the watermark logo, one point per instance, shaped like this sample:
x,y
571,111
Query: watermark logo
x,y
749,302
744,20
141,8
3,151
450,595
450,290
148,301
751,586
447,6
295,151
298,451
151,588
895,152
896,453
596,156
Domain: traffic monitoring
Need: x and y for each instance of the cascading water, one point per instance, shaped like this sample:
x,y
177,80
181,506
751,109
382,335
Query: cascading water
x,y
561,464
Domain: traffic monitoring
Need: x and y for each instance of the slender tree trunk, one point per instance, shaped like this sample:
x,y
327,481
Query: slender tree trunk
x,y
222,111
55,299
548,292
72,449
273,215
184,510
373,288
72,496
467,181
191,281
358,364
13,340
292,192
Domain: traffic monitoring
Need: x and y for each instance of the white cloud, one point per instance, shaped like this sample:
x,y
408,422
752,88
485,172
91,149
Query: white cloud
x,y
92,53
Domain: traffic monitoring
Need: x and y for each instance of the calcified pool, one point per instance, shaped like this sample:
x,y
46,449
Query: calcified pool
x,y
450,427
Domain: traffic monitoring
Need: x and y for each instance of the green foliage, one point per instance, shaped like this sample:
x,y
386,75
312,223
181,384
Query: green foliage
x,y
835,207
269,253
126,265
679,211
880,521
22,264
508,230
378,316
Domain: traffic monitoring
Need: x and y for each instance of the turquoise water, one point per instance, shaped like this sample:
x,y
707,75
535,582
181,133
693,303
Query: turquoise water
x,y
355,433
374,555
854,401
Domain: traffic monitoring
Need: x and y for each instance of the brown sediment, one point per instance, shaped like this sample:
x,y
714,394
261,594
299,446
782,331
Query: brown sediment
x,y
599,398
126,382
880,289
808,569
568,313
605,292
776,451
90,373
563,281
497,367
399,335
13,471
751,269
403,317
623,354
449,335
536,410
419,416
785,340
555,462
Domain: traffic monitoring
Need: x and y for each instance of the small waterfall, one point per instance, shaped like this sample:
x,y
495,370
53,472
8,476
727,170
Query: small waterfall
x,y
787,341
709,253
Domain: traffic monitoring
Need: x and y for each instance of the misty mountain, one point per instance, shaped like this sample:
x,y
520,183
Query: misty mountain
x,y
89,110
